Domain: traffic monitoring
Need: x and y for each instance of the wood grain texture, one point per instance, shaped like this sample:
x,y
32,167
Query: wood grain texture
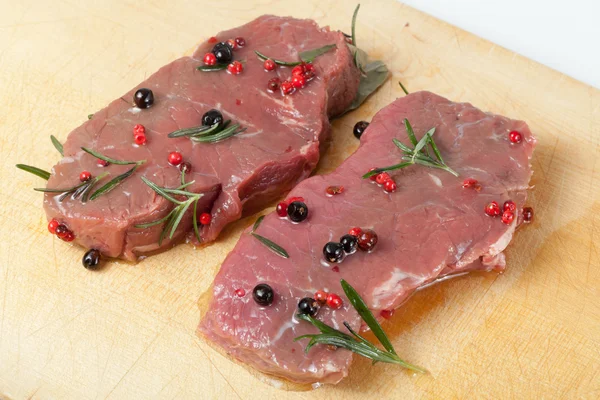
x,y
128,331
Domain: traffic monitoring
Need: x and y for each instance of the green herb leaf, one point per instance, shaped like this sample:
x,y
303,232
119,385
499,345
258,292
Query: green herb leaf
x,y
217,137
361,59
157,222
257,223
376,74
275,248
410,132
160,191
90,116
111,160
113,183
65,190
195,222
361,307
57,145
210,68
179,216
403,88
309,55
197,130
305,56
354,24
263,57
34,170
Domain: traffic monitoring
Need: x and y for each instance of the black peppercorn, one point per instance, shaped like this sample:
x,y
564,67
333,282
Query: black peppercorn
x,y
333,252
143,98
308,306
91,259
359,128
263,294
297,211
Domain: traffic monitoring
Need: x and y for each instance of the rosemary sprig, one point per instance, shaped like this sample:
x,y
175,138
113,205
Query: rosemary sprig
x,y
418,155
34,170
355,342
274,247
111,160
209,68
209,134
175,216
403,88
80,190
305,56
57,145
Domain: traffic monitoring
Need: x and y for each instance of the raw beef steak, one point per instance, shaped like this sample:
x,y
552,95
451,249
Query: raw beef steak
x,y
431,227
279,148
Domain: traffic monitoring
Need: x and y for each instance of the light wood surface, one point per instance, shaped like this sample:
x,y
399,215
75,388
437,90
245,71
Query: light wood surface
x,y
128,331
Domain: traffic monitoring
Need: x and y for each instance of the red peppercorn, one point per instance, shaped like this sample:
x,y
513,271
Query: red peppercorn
x,y
367,240
240,41
61,230
205,218
102,163
308,67
273,84
508,217
238,102
527,214
321,296
232,43
85,176
235,68
390,186
309,75
175,158
185,167
356,231
335,269
210,59
334,301
509,205
212,39
382,178
515,137
387,314
140,139
139,129
298,81
373,177
269,65
68,237
470,182
52,225
282,209
492,209
298,70
287,87
240,292
333,190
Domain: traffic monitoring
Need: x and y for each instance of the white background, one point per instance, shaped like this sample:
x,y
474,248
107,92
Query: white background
x,y
564,35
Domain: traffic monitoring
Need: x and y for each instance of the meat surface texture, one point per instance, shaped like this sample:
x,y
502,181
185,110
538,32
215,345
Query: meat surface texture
x,y
279,148
430,228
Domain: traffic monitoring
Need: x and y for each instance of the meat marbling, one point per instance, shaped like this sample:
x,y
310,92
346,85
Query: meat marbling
x,y
430,228
279,148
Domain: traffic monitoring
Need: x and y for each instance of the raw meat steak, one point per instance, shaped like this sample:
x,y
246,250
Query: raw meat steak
x,y
279,148
431,227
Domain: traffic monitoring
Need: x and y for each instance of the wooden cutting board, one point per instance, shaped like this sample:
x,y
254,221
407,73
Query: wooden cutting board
x,y
128,331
